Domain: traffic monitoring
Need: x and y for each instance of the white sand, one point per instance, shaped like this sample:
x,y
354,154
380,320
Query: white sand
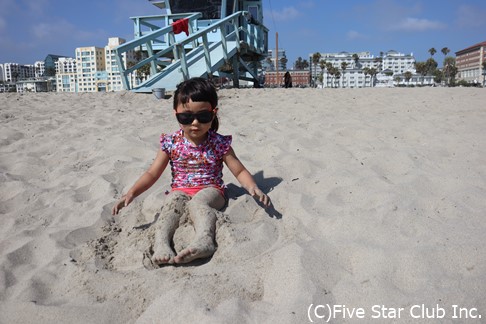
x,y
379,195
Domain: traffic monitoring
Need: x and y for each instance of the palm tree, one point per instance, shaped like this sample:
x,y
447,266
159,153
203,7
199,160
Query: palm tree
x,y
322,64
337,73
450,69
366,71
344,65
330,71
316,57
298,64
422,69
373,71
356,59
445,51
432,51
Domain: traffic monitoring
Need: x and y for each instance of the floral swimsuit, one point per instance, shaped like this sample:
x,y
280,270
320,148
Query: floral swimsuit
x,y
196,167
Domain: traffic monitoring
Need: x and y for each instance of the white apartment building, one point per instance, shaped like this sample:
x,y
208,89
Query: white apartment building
x,y
93,70
40,68
66,65
398,63
66,76
388,66
114,81
11,72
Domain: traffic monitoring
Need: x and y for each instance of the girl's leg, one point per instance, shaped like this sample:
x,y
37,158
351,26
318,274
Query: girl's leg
x,y
202,210
166,225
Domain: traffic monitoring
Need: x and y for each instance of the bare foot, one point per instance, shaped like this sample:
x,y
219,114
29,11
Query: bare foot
x,y
201,248
163,255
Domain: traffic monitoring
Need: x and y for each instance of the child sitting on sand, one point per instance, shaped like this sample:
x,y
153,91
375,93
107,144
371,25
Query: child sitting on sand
x,y
196,154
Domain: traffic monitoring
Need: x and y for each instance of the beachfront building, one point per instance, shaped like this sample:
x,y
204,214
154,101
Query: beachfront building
x,y
270,62
469,63
33,85
40,68
94,69
300,78
113,72
90,67
66,65
66,75
398,63
11,72
352,70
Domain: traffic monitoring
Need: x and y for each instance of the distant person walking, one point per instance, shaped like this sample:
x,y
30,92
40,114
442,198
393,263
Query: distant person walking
x,y
288,80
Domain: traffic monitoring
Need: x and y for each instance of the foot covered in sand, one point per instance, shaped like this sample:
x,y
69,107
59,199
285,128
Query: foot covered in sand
x,y
163,254
201,248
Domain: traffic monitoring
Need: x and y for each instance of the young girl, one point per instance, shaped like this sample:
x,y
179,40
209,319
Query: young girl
x,y
196,154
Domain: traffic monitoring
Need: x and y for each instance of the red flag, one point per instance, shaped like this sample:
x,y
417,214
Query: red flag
x,y
182,25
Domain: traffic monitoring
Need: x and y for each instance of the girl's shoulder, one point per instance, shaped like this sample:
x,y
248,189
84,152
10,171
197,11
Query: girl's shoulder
x,y
168,140
218,138
171,136
222,143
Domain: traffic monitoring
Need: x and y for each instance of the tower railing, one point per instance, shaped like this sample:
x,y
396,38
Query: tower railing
x,y
236,27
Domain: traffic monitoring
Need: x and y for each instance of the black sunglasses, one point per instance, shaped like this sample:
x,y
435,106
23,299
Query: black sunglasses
x,y
187,118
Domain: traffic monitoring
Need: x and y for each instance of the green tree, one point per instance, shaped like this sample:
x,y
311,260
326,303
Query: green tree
x,y
316,57
301,64
330,71
366,71
344,66
373,72
356,59
408,76
432,51
445,51
322,64
449,70
422,69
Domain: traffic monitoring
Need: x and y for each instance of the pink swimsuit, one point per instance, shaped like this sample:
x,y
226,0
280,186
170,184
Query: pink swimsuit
x,y
196,167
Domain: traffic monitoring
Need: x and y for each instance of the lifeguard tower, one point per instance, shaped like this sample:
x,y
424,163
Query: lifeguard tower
x,y
200,38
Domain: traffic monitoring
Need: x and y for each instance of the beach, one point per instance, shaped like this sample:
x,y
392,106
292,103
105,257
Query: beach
x,y
379,209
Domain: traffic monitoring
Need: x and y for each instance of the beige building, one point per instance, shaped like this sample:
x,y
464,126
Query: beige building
x,y
95,69
469,63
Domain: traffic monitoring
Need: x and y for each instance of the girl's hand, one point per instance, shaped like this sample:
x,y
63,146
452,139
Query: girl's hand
x,y
258,194
123,202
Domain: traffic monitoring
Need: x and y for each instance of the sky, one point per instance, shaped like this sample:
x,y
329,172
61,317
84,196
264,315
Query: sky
x,y
32,29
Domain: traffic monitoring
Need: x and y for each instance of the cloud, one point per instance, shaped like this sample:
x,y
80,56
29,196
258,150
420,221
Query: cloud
x,y
59,31
354,35
416,24
287,13
470,16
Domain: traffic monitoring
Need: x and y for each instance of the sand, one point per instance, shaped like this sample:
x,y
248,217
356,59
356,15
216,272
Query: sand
x,y
379,205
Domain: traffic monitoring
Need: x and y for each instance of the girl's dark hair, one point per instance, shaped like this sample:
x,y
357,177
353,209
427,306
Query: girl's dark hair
x,y
197,90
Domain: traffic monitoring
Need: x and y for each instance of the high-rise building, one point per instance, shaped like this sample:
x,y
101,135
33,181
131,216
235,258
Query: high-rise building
x,y
270,62
94,69
112,69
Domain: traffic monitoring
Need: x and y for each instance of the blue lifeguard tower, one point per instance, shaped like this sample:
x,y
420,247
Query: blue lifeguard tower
x,y
219,38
